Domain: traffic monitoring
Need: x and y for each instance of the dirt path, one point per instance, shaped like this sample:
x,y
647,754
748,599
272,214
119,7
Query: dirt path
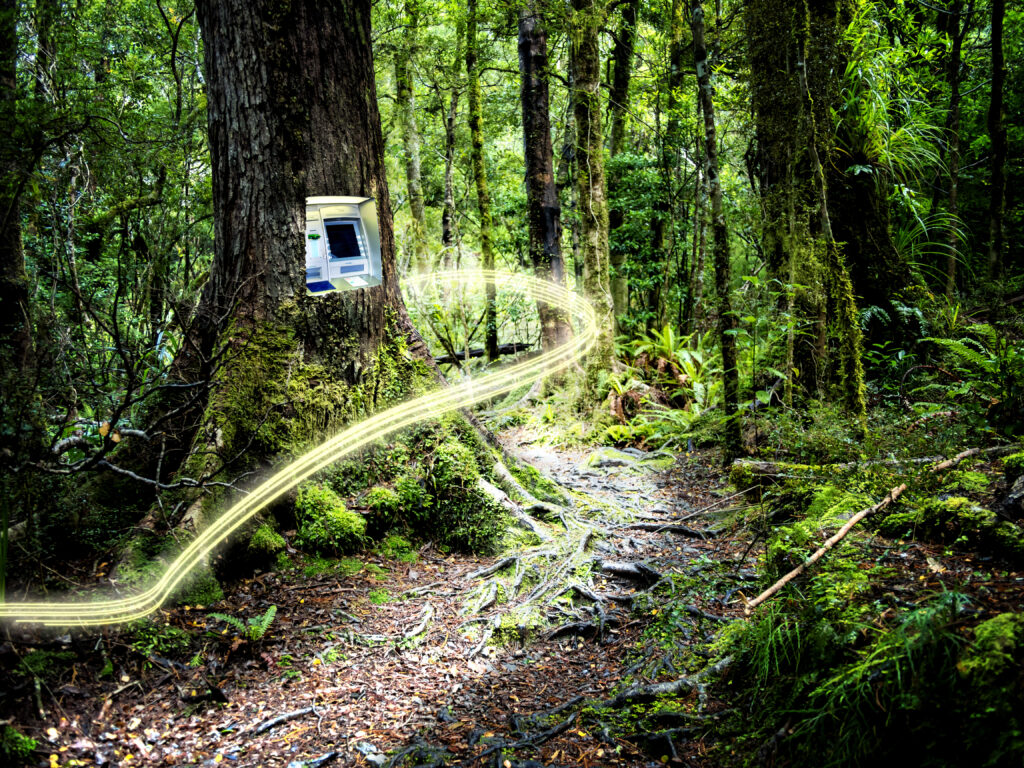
x,y
382,655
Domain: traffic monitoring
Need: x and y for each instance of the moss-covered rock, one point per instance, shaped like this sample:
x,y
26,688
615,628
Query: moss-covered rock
x,y
1013,466
997,650
266,543
954,520
325,524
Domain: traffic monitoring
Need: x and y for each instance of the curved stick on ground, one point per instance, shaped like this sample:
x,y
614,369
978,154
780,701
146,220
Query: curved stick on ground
x,y
890,497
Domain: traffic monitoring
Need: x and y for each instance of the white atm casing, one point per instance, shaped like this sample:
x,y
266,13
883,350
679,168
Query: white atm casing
x,y
348,225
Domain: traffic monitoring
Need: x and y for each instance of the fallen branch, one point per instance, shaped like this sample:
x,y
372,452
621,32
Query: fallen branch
x,y
890,497
266,725
503,349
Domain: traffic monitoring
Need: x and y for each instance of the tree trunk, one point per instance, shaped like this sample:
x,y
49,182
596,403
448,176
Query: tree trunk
x,y
286,368
584,48
406,101
483,195
997,138
662,242
543,209
953,154
720,247
449,238
618,105
16,346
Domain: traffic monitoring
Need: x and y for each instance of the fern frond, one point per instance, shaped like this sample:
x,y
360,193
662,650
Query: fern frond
x,y
229,620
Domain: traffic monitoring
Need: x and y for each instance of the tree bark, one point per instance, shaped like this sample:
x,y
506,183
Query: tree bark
x,y
483,195
588,15
997,138
543,209
720,247
953,153
449,238
618,105
257,334
406,101
16,345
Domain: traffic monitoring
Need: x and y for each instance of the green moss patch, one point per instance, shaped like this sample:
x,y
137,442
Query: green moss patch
x,y
325,525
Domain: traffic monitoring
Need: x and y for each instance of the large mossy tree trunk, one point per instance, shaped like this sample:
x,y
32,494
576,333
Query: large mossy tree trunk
x,y
720,246
587,19
544,215
292,113
795,60
483,194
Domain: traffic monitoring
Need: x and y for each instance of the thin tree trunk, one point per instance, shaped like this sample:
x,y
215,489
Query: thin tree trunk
x,y
449,216
483,195
953,204
543,209
720,233
622,60
618,105
997,138
662,243
406,100
588,16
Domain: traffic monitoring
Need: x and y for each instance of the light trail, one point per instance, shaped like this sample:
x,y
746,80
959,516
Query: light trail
x,y
345,443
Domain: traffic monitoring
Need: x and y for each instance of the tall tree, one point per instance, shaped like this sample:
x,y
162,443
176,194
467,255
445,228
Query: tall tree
x,y
448,215
289,367
406,101
960,22
997,138
544,214
720,235
795,60
483,195
15,327
618,106
587,19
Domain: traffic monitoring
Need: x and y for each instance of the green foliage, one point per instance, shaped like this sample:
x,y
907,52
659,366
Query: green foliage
x,y
15,749
379,596
46,665
266,543
151,638
325,525
1013,466
396,547
202,589
252,629
991,365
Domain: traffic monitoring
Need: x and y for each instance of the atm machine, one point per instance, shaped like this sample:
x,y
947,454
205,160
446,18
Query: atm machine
x,y
342,244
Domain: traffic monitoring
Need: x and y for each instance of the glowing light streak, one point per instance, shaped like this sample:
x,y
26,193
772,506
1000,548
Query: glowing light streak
x,y
345,443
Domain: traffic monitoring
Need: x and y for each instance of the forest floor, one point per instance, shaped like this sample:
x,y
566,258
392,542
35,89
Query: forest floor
x,y
343,678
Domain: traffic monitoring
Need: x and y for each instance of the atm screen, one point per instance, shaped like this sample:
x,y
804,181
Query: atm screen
x,y
343,239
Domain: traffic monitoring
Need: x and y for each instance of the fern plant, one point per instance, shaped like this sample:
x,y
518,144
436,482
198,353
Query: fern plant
x,y
992,366
252,629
